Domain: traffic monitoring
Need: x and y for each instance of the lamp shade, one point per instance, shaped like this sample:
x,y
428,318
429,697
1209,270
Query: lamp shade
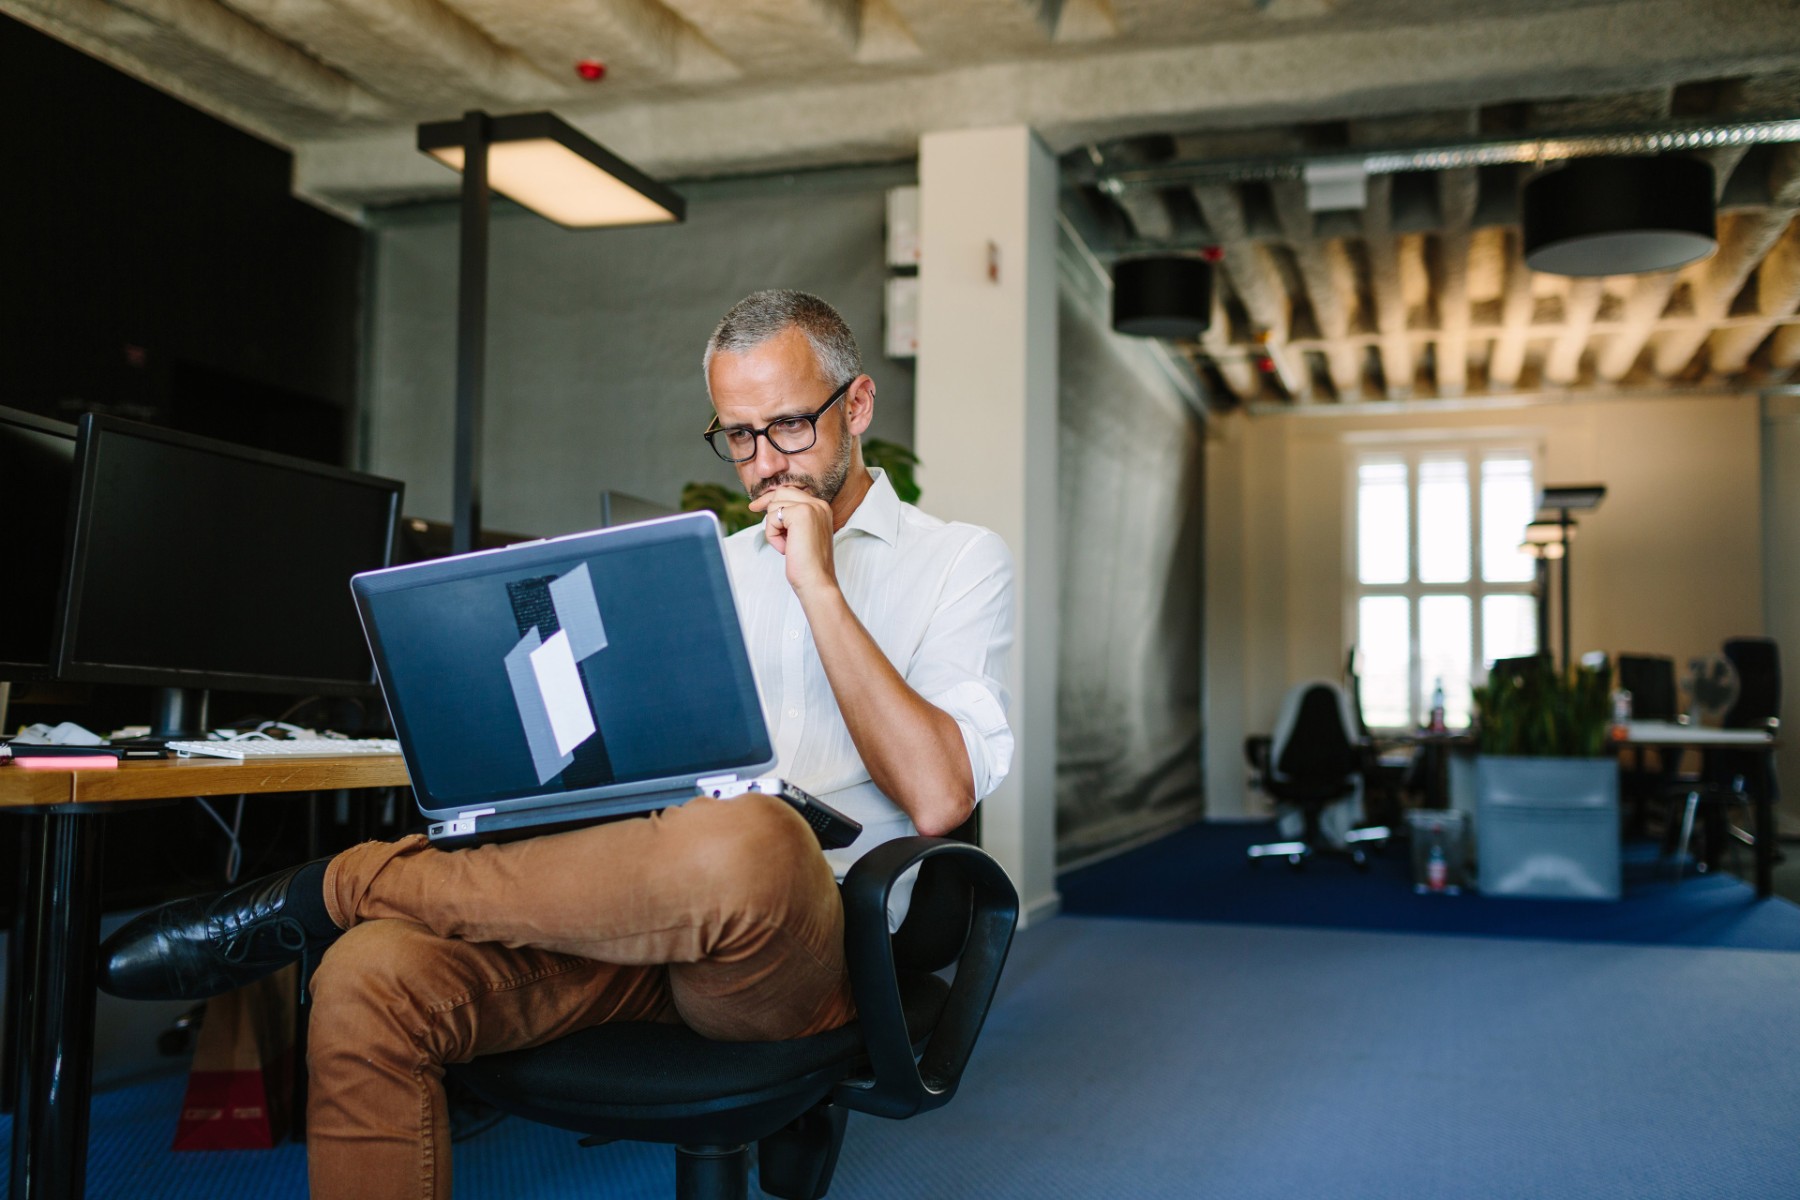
x,y
1165,296
1619,216
552,168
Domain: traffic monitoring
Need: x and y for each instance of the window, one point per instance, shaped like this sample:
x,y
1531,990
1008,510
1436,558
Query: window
x,y
1440,587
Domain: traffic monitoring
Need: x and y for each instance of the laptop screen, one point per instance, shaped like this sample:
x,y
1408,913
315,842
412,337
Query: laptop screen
x,y
600,664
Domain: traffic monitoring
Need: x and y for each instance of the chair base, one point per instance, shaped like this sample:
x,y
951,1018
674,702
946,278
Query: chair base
x,y
712,1173
1716,798
1298,852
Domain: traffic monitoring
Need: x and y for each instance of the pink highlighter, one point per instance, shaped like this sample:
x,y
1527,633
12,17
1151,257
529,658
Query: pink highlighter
x,y
65,762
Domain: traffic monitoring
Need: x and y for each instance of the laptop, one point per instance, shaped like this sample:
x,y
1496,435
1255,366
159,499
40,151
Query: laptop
x,y
561,682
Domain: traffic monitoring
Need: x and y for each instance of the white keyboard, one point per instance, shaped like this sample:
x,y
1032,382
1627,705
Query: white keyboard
x,y
260,748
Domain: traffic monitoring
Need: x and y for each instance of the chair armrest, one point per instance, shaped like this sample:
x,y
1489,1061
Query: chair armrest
x,y
899,1085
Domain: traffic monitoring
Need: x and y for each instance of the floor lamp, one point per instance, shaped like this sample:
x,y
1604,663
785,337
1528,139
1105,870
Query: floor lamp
x,y
1553,536
1543,553
552,168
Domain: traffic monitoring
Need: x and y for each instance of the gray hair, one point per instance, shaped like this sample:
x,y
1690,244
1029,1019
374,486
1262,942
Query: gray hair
x,y
764,315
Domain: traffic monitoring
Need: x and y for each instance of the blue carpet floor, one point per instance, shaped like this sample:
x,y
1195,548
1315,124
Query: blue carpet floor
x,y
1200,874
1152,1059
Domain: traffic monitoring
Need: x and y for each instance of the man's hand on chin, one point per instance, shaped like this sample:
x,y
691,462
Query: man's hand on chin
x,y
799,525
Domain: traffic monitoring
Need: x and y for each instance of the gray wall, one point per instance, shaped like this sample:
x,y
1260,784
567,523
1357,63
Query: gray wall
x,y
1128,704
594,340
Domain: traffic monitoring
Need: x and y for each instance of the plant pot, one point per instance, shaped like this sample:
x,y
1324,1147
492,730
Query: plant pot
x,y
1548,827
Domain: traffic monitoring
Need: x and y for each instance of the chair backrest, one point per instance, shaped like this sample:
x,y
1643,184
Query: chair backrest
x,y
1504,669
1353,687
1758,664
1650,678
1315,738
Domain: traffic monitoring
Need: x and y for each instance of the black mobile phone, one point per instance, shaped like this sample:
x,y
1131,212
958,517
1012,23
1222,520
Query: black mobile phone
x,y
833,829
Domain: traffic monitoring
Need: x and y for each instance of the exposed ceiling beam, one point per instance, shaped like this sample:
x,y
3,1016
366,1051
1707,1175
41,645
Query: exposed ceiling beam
x,y
1562,367
1457,189
1777,294
1329,278
1396,350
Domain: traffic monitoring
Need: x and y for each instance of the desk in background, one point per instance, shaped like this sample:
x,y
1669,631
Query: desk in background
x,y
1670,735
58,929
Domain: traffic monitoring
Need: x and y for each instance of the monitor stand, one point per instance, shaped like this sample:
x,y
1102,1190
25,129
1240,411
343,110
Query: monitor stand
x,y
180,712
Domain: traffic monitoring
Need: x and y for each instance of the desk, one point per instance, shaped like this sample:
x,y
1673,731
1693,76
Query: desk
x,y
59,929
1670,734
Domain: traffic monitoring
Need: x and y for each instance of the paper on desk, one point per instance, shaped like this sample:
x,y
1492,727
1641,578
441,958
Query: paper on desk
x,y
68,733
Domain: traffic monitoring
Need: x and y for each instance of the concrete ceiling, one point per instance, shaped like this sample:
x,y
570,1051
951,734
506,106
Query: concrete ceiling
x,y
1419,294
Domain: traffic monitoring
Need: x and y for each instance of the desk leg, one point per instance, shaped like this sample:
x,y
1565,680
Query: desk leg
x,y
56,1027
15,962
1765,826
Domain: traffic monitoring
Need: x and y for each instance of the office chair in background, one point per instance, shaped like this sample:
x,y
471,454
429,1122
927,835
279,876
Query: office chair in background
x,y
903,1055
1650,678
1728,777
1315,758
1385,767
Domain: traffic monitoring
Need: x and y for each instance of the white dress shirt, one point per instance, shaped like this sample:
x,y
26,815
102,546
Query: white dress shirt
x,y
937,598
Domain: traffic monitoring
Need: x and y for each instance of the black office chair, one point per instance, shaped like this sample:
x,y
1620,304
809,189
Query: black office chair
x,y
1385,769
1728,777
1313,759
903,1055
1650,678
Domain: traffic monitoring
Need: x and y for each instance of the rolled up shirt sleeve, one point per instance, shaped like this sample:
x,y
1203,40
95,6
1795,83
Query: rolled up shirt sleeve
x,y
960,665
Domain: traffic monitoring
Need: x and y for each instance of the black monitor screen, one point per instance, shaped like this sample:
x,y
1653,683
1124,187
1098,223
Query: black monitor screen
x,y
37,459
196,563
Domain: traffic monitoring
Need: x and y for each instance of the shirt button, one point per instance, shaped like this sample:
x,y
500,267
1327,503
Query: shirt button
x,y
794,713
793,633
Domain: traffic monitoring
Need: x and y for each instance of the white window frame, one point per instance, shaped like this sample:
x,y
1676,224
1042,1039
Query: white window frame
x,y
1472,451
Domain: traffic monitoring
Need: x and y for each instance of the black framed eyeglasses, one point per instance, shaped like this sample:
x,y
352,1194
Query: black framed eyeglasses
x,y
789,435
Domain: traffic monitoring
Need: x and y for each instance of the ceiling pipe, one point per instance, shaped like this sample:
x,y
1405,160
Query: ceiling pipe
x,y
1436,156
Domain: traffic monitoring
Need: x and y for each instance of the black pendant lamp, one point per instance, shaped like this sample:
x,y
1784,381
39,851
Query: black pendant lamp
x,y
1163,296
1619,216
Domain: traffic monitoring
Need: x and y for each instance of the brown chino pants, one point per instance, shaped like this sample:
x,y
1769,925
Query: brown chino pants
x,y
720,914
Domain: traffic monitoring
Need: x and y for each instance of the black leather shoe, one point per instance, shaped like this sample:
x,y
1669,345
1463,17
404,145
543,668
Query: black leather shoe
x,y
204,946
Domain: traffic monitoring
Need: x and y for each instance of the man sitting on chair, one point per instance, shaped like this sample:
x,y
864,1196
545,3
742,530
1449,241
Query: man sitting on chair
x,y
879,637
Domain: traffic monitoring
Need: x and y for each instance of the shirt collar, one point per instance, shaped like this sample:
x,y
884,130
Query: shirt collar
x,y
879,513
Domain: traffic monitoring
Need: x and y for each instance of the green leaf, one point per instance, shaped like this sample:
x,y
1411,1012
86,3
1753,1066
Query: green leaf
x,y
1539,713
897,461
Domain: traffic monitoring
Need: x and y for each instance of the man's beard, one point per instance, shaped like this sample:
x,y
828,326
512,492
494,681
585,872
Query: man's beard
x,y
826,487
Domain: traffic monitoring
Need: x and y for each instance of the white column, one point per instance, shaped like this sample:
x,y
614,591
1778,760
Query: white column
x,y
985,432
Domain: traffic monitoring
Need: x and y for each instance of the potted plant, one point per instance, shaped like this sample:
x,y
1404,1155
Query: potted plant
x,y
1546,792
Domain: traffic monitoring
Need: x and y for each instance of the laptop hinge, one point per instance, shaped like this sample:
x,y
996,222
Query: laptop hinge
x,y
713,781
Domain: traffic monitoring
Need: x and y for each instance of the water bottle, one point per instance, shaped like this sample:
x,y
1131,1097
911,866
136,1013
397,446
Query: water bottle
x,y
1621,714
1437,708
1437,870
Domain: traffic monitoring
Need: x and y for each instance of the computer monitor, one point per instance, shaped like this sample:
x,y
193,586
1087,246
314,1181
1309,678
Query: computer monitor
x,y
195,563
37,463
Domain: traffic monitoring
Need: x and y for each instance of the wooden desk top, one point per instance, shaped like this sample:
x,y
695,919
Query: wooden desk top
x,y
173,778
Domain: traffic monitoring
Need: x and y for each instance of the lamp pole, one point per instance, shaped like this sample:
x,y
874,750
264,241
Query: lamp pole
x,y
471,332
1567,562
1541,572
